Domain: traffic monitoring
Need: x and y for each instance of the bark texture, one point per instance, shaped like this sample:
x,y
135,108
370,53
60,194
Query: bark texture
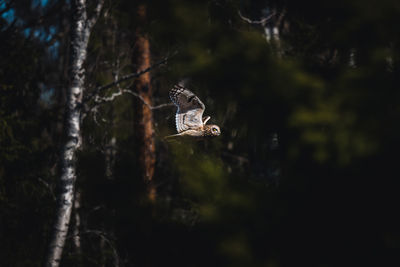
x,y
144,114
81,28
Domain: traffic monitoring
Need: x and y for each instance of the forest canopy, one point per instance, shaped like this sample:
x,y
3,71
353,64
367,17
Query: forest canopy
x,y
306,94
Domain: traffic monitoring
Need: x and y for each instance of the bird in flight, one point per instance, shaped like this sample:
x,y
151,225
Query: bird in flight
x,y
189,116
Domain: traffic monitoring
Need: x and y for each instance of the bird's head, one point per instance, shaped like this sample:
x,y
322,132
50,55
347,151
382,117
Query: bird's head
x,y
212,130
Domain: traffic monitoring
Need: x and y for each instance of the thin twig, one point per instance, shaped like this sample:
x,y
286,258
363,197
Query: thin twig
x,y
105,238
280,18
37,21
46,184
261,21
97,10
147,104
11,25
101,100
126,78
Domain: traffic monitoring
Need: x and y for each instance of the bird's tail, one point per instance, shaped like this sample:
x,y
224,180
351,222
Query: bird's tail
x,y
172,137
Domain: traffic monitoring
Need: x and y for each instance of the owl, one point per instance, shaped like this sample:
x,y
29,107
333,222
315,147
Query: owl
x,y
189,116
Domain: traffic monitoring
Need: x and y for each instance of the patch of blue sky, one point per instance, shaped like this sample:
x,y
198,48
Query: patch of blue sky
x,y
46,95
2,5
37,33
42,3
27,32
53,50
9,16
52,31
41,34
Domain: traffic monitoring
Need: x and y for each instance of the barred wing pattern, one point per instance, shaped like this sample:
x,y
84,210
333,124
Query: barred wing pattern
x,y
190,109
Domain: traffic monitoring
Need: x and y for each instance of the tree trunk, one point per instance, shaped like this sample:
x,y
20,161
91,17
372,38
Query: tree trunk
x,y
144,115
77,223
272,29
81,28
110,152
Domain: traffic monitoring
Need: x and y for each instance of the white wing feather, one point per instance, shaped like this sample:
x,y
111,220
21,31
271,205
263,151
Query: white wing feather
x,y
190,109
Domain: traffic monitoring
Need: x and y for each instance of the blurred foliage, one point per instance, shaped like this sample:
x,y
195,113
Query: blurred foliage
x,y
26,150
304,172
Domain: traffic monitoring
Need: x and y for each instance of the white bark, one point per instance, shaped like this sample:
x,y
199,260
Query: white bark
x,y
352,58
77,225
271,26
110,152
81,28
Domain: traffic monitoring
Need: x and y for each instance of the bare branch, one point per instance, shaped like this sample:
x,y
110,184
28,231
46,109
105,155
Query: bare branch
x,y
126,78
101,100
104,237
55,38
261,21
97,10
11,25
94,110
46,184
38,21
280,18
147,104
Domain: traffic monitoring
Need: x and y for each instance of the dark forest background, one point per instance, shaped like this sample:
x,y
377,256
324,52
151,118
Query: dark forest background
x,y
305,172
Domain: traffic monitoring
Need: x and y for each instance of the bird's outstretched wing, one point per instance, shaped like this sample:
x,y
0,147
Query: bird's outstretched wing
x,y
190,109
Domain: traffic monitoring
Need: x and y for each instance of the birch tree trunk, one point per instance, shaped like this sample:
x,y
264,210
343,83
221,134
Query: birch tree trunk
x,y
144,114
272,29
81,28
77,223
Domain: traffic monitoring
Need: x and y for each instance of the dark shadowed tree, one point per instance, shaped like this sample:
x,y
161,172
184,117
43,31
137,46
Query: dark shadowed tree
x,y
143,116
